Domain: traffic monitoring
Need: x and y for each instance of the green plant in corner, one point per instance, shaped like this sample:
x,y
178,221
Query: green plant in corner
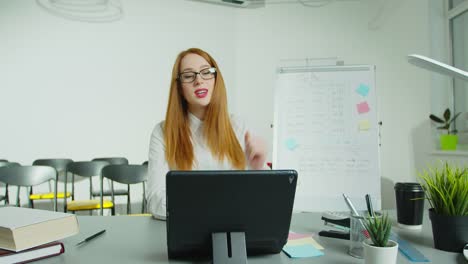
x,y
446,189
379,229
446,121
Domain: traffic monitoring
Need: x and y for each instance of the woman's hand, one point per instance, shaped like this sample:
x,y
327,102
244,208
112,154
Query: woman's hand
x,y
255,151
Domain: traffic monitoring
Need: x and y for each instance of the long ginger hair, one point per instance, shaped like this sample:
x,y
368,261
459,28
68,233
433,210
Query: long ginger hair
x,y
217,132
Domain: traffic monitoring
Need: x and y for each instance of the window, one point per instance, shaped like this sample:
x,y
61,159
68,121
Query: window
x,y
458,28
454,3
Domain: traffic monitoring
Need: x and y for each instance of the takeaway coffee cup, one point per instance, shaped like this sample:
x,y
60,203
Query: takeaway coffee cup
x,y
410,204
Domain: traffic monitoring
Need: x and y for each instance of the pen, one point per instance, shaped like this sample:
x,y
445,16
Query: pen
x,y
355,213
91,237
369,205
350,205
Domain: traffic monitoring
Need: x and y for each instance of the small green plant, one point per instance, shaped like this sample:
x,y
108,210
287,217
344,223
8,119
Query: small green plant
x,y
446,121
446,189
379,229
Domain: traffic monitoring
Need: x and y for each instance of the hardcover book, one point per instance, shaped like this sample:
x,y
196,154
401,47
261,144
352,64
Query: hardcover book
x,y
32,254
24,228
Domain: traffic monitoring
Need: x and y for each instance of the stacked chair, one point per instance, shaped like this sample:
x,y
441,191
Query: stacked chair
x,y
86,169
28,176
116,192
114,169
125,174
5,163
60,165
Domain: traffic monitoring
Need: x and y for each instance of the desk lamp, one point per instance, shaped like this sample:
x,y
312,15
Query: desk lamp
x,y
437,66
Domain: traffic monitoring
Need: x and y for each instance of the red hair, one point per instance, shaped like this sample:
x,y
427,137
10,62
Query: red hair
x,y
218,132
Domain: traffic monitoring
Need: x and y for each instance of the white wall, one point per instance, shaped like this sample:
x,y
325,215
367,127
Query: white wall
x,y
83,90
264,38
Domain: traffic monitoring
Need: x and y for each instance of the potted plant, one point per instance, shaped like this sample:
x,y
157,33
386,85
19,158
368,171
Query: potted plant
x,y
448,141
446,189
379,249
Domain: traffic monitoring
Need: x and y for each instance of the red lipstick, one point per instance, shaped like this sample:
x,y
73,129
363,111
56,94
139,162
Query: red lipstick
x,y
201,93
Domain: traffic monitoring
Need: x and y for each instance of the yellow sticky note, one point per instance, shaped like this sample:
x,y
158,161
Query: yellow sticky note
x,y
304,241
364,125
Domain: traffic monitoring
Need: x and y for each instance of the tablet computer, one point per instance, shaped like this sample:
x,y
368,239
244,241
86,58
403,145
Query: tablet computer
x,y
199,204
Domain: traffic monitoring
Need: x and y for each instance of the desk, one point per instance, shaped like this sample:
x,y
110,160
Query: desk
x,y
135,239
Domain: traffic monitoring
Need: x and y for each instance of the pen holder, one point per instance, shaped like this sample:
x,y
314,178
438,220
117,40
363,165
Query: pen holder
x,y
358,234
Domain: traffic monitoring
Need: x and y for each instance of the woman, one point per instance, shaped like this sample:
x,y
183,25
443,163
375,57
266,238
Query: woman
x,y
198,133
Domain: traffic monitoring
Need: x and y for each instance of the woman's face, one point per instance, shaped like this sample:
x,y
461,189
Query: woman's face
x,y
197,92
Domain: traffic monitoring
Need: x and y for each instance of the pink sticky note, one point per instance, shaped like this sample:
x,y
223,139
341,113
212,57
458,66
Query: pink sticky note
x,y
362,107
292,236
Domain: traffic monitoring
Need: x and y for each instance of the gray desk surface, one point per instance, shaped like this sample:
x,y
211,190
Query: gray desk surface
x,y
138,239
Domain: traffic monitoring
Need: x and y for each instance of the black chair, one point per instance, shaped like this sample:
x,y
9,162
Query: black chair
x,y
5,163
28,176
126,174
60,165
113,161
118,192
87,169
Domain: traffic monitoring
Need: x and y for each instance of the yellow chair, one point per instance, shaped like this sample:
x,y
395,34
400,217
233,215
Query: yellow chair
x,y
145,215
60,165
87,169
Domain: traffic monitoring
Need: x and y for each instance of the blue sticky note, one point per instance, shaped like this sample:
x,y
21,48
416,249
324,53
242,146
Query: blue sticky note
x,y
291,143
363,90
302,251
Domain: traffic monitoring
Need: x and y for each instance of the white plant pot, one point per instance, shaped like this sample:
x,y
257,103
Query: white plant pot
x,y
380,255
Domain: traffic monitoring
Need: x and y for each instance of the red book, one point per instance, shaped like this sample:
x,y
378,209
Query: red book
x,y
32,254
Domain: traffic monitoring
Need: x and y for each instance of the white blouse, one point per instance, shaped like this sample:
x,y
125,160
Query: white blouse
x,y
204,160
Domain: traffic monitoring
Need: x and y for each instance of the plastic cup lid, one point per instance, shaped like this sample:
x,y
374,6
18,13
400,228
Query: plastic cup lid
x,y
408,186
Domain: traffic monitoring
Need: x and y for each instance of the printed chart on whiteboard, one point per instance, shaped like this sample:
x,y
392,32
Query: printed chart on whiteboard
x,y
326,127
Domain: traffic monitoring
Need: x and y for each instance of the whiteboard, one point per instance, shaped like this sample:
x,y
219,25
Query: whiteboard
x,y
326,127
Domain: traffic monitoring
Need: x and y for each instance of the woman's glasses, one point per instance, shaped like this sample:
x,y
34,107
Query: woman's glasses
x,y
205,74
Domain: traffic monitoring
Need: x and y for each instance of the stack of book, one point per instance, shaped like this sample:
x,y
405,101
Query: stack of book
x,y
30,234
